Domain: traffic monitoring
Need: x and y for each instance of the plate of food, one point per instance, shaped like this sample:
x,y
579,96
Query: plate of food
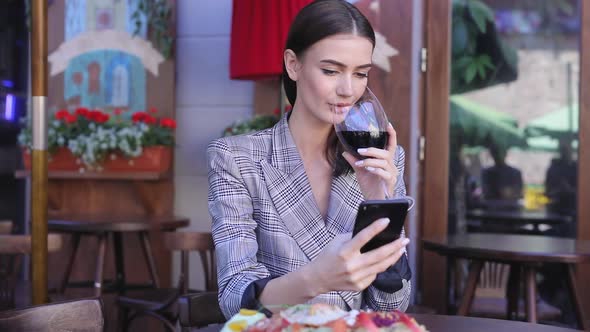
x,y
322,318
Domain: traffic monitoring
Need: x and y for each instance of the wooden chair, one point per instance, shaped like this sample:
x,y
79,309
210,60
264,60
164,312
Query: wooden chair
x,y
5,227
496,282
14,293
199,310
162,303
79,315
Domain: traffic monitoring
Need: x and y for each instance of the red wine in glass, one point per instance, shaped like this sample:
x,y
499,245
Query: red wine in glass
x,y
362,125
355,139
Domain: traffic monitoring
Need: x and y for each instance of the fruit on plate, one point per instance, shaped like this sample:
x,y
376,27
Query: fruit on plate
x,y
325,318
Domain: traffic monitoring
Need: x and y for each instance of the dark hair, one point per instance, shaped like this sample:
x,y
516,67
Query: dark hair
x,y
316,21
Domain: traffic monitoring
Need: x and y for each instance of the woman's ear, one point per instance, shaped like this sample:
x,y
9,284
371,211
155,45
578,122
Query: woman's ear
x,y
291,64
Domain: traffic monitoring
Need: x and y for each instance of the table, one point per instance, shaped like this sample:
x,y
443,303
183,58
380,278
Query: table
x,y
105,226
524,252
508,219
440,323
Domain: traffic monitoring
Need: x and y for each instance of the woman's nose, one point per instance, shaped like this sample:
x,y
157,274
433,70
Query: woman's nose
x,y
344,87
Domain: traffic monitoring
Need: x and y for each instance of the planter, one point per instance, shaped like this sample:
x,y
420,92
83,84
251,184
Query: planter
x,y
61,160
153,159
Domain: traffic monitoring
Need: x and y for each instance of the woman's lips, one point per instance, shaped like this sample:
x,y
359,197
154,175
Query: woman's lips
x,y
341,108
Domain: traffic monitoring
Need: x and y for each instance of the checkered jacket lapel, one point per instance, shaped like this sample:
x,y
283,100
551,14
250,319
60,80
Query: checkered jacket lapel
x,y
290,191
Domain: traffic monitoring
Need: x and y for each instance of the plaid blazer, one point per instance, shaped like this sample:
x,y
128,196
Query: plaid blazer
x,y
266,222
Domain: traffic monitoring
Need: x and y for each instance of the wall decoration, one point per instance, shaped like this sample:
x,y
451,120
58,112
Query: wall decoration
x,y
104,57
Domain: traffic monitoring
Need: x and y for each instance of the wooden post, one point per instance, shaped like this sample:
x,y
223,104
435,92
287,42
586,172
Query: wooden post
x,y
39,181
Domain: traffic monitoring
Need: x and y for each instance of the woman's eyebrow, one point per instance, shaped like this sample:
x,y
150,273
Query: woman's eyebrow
x,y
340,64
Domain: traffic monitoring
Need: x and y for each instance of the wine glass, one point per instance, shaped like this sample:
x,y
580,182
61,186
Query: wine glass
x,y
362,125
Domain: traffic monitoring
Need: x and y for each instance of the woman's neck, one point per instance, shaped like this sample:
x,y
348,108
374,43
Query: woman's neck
x,y
309,134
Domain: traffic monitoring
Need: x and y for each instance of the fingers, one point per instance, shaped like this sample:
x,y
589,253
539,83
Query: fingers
x,y
363,237
366,270
392,144
350,159
380,266
382,253
375,153
379,167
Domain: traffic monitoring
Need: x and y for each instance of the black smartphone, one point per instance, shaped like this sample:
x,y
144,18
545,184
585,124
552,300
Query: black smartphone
x,y
371,210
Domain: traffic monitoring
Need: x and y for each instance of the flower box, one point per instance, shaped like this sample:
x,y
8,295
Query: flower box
x,y
61,160
153,159
94,140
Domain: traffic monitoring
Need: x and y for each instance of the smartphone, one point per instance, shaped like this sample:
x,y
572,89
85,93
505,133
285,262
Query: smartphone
x,y
371,210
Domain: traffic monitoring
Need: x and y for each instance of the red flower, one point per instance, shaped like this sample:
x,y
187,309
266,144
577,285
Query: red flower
x,y
61,114
138,116
82,111
150,120
168,123
153,110
103,118
71,118
118,111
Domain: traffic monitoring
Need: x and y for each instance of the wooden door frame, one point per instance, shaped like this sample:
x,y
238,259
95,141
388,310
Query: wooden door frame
x,y
435,169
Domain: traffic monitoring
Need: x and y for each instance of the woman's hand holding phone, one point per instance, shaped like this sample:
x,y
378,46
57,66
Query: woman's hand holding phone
x,y
342,266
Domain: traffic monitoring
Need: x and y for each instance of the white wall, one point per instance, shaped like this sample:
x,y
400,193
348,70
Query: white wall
x,y
206,102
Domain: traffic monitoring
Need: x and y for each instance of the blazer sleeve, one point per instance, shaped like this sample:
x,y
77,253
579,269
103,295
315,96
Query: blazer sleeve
x,y
392,288
233,229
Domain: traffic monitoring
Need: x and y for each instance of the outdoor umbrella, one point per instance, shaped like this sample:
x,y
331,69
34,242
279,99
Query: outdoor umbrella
x,y
544,132
479,125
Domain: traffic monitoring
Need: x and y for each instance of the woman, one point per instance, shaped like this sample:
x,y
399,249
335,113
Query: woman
x,y
284,200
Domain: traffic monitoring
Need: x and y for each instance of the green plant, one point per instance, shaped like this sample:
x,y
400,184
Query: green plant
x,y
91,135
470,19
256,123
158,15
479,58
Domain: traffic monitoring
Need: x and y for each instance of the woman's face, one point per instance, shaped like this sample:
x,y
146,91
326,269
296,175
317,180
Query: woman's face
x,y
331,76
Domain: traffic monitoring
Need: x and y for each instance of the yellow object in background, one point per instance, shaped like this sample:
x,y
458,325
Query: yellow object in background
x,y
534,198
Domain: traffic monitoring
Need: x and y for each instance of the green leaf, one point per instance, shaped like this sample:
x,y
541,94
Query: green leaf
x,y
460,37
463,62
564,6
470,72
486,61
481,70
480,13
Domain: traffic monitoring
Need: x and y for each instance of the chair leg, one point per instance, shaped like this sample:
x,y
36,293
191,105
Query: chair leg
x,y
469,291
66,278
120,280
102,243
531,294
574,295
513,292
147,252
122,319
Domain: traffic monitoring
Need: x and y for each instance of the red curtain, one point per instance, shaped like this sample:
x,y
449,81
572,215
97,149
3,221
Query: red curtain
x,y
258,36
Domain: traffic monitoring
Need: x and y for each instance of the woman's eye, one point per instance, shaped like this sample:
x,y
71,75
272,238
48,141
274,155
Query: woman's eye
x,y
329,72
362,75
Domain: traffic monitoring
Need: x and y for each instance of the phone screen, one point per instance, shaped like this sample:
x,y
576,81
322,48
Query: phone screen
x,y
369,211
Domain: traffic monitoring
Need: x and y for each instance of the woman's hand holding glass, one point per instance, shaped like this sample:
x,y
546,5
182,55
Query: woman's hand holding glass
x,y
376,174
370,141
342,267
